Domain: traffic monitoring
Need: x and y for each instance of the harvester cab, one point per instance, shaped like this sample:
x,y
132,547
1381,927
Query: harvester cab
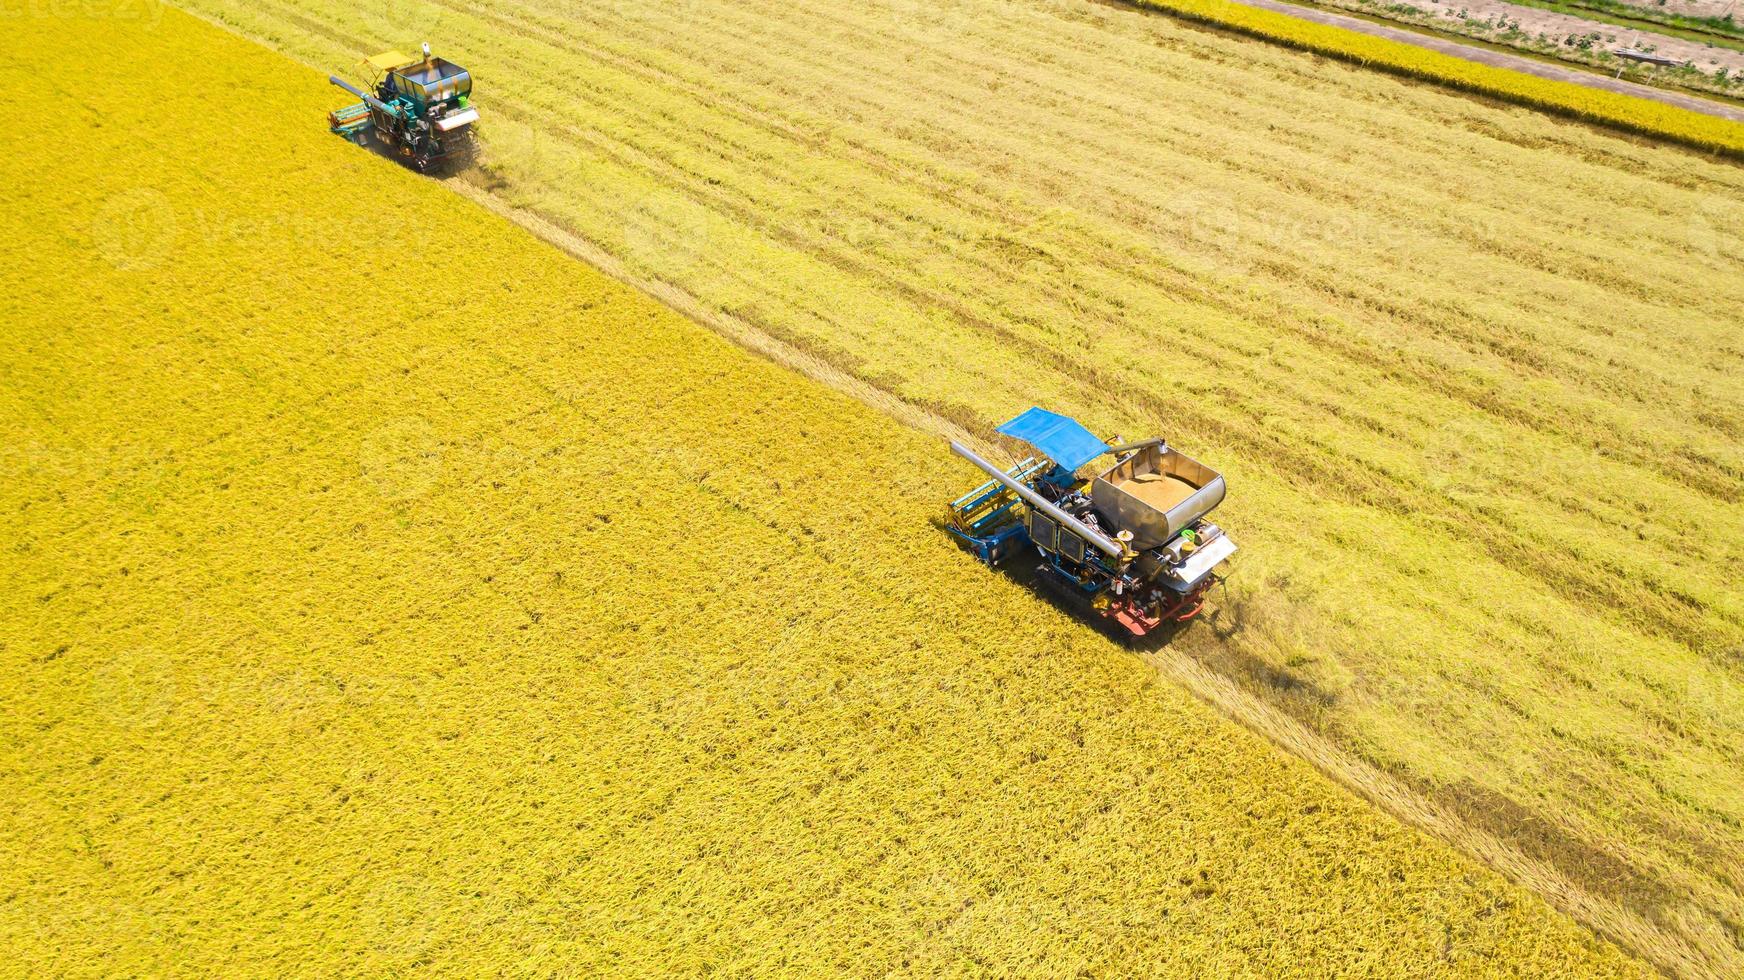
x,y
1130,540
421,109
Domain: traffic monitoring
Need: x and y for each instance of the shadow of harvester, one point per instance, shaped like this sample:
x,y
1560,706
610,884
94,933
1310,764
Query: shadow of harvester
x,y
1028,570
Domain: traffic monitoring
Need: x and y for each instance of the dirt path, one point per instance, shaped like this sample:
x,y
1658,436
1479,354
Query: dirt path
x,y
1692,8
1500,59
1462,16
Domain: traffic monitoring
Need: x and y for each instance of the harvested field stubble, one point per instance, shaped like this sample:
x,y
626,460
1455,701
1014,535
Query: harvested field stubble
x,y
509,623
1474,372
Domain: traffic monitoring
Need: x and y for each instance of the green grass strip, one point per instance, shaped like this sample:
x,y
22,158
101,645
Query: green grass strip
x,y
1627,112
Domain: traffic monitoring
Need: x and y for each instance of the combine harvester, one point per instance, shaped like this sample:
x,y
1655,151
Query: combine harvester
x,y
421,110
1132,541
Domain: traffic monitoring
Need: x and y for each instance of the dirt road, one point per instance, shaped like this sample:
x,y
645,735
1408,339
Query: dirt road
x,y
1474,17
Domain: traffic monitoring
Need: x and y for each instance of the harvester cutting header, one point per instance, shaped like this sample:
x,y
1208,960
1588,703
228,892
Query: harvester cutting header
x,y
1131,540
421,110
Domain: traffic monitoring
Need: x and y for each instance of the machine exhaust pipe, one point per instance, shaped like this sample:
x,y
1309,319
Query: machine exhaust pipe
x,y
1102,542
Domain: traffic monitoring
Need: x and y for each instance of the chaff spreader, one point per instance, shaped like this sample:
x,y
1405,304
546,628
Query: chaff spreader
x,y
1130,539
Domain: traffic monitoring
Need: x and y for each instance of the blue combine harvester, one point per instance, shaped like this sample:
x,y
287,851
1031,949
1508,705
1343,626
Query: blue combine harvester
x,y
1131,539
421,110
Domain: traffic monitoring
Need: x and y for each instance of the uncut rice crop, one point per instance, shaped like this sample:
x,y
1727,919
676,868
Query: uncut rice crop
x,y
386,592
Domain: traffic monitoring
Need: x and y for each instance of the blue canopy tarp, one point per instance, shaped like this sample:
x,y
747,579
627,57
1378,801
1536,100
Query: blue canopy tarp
x,y
1057,437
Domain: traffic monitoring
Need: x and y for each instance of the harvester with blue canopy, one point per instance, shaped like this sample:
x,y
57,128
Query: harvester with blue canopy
x,y
1130,537
421,110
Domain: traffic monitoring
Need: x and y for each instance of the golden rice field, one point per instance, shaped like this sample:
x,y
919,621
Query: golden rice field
x,y
385,591
1473,370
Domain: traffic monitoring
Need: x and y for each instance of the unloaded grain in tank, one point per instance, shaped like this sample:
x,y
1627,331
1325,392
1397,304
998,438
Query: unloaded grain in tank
x,y
1161,490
